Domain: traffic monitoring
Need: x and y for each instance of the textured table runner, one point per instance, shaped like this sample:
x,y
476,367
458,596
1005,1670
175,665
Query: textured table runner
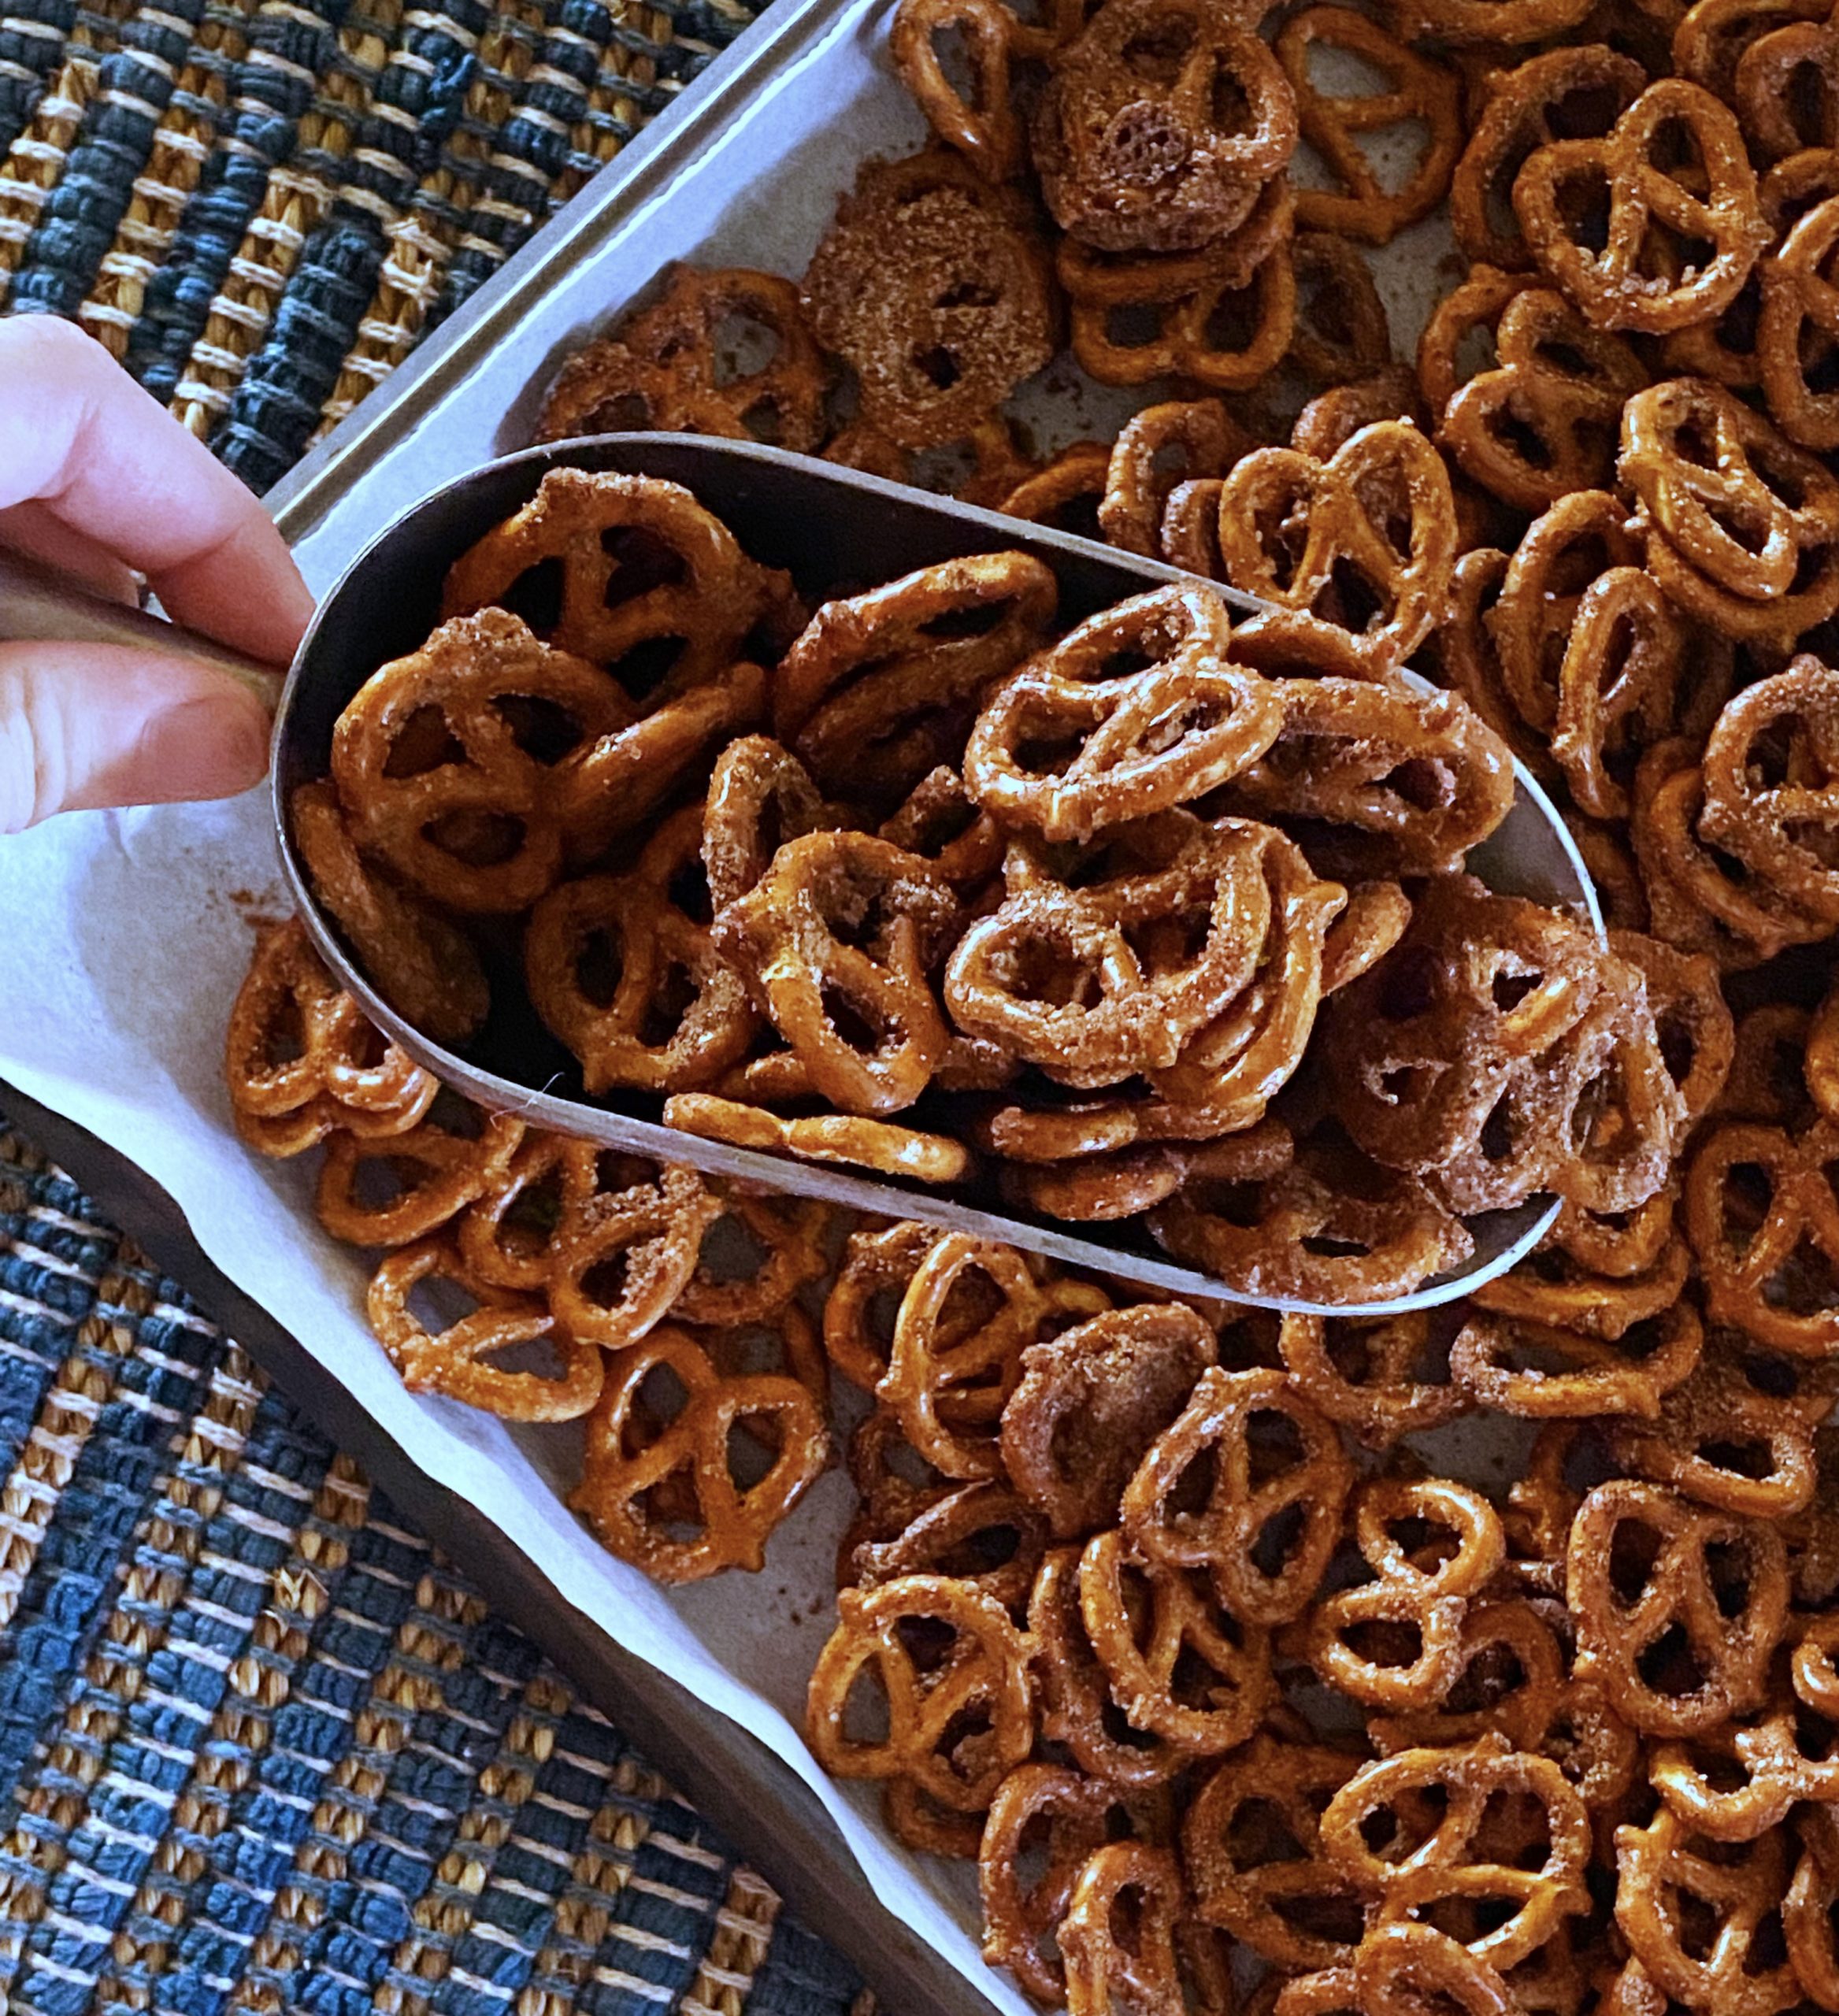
x,y
261,1749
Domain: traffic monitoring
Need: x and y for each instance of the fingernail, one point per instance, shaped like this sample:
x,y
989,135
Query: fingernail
x,y
203,749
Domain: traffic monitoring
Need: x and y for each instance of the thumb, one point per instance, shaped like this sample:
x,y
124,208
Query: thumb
x,y
86,725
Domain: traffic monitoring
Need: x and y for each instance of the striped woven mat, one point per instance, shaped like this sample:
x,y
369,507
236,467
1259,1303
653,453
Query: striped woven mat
x,y
261,1749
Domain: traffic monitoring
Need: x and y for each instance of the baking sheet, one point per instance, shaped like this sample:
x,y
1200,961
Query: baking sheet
x,y
131,931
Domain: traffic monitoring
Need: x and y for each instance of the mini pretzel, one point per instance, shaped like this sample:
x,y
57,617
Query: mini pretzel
x,y
1038,1807
1558,1283
1066,494
984,129
1703,901
785,1233
642,564
1419,776
1178,723
1797,328
1340,330
425,967
457,1361
1542,1370
787,934
1122,1955
623,1257
943,1364
1125,1010
639,1035
1784,90
865,1298
879,688
1314,1242
1565,552
1420,91
1249,1840
1292,528
1126,1182
1700,461
1135,155
1438,1846
958,1719
1362,1371
760,795
1076,1705
1333,417
1618,288
1089,1403
1177,442
1225,335
1511,1663
823,1137
1409,1619
1662,1876
1574,92
1405,1969
981,1535
934,289
1715,1584
1709,43
1236,1424
435,1172
1180,1665
668,369
507,1234
1782,831
296,1042
1694,1023
1766,1250
430,769
1544,421
1725,1443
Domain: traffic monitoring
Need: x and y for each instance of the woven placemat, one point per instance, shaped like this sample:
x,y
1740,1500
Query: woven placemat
x,y
260,206
262,1748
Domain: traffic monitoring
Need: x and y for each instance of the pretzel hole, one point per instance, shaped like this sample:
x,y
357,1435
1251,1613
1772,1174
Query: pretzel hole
x,y
963,76
937,364
849,1025
643,560
478,838
1329,1915
1131,325
1581,201
754,1447
423,742
1516,432
1467,1919
1395,1829
1280,1540
536,595
1351,599
439,1300
965,1740
1385,1644
381,1181
1806,1284
864,1716
742,343
1670,1666
1259,1835
645,667
282,1039
524,1227
542,728
677,992
606,1283
598,966
1156,52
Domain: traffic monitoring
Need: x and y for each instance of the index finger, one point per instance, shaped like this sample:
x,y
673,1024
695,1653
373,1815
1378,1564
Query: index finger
x,y
80,437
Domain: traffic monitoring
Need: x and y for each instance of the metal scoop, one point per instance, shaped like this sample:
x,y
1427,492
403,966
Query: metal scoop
x,y
836,531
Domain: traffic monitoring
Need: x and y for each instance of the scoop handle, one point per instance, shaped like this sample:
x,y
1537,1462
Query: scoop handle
x,y
41,603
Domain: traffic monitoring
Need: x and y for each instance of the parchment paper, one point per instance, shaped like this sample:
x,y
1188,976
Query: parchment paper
x,y
128,933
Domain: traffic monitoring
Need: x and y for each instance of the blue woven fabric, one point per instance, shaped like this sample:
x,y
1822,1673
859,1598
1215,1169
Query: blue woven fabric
x,y
262,1748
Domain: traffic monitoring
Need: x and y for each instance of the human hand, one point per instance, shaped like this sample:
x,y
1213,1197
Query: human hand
x,y
96,479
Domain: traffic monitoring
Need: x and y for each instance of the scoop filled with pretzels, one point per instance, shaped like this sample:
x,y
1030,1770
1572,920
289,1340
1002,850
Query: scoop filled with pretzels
x,y
1122,919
